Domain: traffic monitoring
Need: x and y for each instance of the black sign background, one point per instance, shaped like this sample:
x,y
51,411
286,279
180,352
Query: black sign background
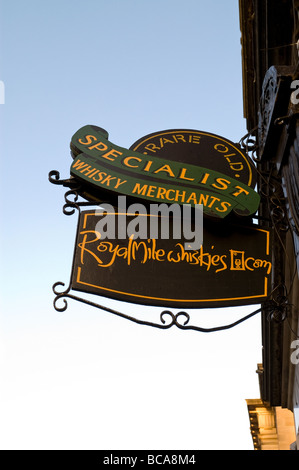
x,y
199,148
232,267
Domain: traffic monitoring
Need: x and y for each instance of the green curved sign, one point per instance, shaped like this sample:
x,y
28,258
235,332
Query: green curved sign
x,y
108,167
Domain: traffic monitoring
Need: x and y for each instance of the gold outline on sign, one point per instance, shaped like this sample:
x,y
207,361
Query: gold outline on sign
x,y
171,300
79,281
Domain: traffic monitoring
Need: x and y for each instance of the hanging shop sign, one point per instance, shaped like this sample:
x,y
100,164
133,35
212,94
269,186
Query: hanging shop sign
x,y
230,268
187,167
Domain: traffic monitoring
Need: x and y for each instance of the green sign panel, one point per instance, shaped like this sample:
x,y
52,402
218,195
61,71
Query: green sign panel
x,y
106,167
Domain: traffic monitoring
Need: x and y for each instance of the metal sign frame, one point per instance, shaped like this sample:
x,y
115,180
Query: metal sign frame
x,y
167,318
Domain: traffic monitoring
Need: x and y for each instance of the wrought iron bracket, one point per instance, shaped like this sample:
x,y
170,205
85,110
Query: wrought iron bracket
x,y
164,324
269,182
168,319
249,144
71,197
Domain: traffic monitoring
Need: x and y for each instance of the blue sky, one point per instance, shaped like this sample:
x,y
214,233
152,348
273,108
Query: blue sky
x,y
86,379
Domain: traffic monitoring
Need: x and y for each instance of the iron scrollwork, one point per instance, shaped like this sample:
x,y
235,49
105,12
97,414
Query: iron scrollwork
x,y
168,319
249,144
164,324
71,197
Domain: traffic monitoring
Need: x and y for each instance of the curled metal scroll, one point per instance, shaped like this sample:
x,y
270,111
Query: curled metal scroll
x,y
71,197
276,202
54,178
249,144
71,204
269,184
167,318
278,307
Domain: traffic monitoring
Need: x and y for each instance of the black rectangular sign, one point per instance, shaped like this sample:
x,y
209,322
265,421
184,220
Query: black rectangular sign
x,y
232,267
